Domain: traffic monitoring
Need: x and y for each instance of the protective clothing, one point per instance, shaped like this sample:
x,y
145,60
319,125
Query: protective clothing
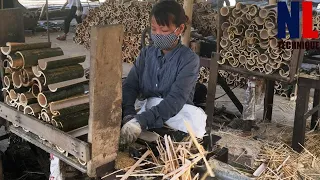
x,y
130,132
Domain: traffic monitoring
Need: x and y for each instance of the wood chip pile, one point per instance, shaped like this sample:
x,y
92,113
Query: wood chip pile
x,y
43,82
176,160
278,161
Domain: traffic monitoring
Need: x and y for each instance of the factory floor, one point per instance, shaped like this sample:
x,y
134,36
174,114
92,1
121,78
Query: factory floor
x,y
283,109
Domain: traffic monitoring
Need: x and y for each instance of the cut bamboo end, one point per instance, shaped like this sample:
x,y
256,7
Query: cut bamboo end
x,y
239,6
263,58
263,13
224,11
27,98
36,71
32,109
236,13
42,100
15,61
259,20
264,34
16,79
56,86
46,116
242,59
269,25
5,50
253,10
35,89
273,43
73,101
13,95
20,107
7,80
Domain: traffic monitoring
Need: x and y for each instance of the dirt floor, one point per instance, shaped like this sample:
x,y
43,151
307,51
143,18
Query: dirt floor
x,y
241,150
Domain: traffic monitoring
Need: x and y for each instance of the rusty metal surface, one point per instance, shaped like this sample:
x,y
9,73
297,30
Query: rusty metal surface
x,y
34,139
74,146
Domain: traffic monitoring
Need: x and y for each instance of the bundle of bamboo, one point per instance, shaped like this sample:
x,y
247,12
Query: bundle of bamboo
x,y
176,160
134,15
248,40
42,82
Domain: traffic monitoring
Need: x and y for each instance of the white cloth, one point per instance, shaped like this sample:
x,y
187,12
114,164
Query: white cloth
x,y
195,116
55,165
73,3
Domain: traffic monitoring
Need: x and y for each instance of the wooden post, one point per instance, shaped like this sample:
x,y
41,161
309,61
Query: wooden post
x,y
188,8
105,95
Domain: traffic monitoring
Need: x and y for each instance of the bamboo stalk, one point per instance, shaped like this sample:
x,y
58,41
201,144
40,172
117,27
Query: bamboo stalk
x,y
46,97
26,77
13,47
16,79
59,107
7,80
60,61
71,121
36,71
32,109
53,76
31,57
27,98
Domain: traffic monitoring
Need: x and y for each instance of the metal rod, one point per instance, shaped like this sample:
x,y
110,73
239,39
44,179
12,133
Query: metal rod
x,y
47,13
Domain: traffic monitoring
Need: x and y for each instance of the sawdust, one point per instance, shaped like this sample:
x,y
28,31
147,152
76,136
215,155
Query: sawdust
x,y
124,160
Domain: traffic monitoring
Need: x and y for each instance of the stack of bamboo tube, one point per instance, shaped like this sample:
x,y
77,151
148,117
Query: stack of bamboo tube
x,y
43,82
134,15
248,40
316,20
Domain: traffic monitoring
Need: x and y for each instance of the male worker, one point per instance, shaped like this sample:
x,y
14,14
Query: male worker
x,y
75,12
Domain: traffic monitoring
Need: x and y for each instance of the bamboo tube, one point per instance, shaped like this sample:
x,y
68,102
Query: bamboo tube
x,y
269,25
71,121
7,80
263,13
16,79
20,107
6,63
264,34
39,81
13,47
15,61
31,57
27,98
60,61
65,106
273,43
233,61
36,71
225,11
283,72
35,89
26,77
236,12
46,116
248,32
272,32
268,69
224,43
242,59
225,34
225,25
253,10
250,67
46,97
32,109
53,76
13,95
245,9
222,61
259,20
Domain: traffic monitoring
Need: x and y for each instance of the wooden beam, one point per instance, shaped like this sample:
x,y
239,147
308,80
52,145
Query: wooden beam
x,y
268,100
105,95
188,8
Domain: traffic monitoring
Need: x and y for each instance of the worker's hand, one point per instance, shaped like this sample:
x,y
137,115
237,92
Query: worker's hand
x,y
130,132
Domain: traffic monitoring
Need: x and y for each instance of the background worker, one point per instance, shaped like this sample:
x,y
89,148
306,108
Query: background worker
x,y
165,74
75,12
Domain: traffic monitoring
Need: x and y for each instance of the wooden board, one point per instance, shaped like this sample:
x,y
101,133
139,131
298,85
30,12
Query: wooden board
x,y
11,26
105,94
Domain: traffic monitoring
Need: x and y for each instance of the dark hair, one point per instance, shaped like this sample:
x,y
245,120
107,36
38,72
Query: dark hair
x,y
167,11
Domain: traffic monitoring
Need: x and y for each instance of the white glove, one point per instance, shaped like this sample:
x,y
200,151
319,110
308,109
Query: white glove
x,y
130,132
78,13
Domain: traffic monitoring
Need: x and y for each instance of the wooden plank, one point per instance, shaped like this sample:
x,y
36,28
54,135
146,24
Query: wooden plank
x,y
74,146
34,139
299,127
308,82
315,116
105,94
268,100
11,26
187,6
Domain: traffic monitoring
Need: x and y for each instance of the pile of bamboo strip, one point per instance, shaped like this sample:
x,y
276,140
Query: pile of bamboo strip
x,y
176,160
43,82
316,20
134,15
279,161
248,40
